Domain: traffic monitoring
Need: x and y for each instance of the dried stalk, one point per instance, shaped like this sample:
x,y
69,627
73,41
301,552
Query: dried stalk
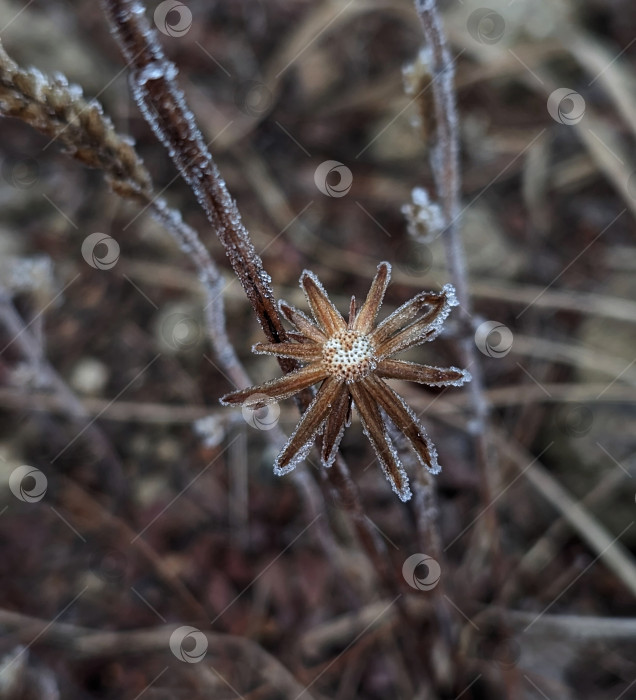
x,y
445,167
23,340
60,111
164,107
91,644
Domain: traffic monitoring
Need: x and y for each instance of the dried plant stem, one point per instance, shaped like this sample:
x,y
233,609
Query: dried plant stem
x,y
30,349
164,107
91,644
212,282
61,112
445,166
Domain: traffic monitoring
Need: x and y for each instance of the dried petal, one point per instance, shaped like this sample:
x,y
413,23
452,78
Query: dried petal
x,y
323,310
310,423
278,389
335,426
375,430
405,421
304,325
423,374
352,313
415,334
299,351
401,317
369,311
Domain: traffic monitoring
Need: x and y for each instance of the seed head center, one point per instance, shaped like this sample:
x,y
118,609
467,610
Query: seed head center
x,y
349,355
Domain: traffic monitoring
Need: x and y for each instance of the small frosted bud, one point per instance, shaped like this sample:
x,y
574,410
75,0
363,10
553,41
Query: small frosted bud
x,y
425,220
210,429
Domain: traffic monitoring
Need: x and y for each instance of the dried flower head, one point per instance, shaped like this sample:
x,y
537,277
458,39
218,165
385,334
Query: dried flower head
x,y
352,359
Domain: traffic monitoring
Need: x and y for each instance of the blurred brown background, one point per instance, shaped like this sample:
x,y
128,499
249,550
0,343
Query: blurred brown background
x,y
149,520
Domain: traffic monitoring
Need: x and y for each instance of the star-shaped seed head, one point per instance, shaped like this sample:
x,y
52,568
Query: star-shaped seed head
x,y
349,355
351,360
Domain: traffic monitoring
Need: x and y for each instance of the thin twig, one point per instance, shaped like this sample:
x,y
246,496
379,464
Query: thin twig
x,y
445,166
91,644
164,107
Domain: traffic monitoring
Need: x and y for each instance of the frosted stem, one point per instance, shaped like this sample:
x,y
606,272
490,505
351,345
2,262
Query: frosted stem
x,y
445,166
163,105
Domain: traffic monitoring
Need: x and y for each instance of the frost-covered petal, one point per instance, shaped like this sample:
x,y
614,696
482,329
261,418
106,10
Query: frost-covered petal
x,y
299,351
366,317
335,426
310,423
415,334
278,389
302,323
298,337
352,313
439,304
422,374
323,310
404,420
375,430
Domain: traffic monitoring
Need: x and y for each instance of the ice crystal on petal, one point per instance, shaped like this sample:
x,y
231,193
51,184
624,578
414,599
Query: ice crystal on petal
x,y
451,295
330,458
297,459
